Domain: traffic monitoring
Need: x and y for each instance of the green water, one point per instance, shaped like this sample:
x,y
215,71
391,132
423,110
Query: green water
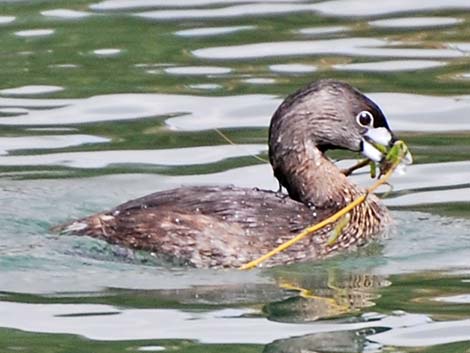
x,y
125,101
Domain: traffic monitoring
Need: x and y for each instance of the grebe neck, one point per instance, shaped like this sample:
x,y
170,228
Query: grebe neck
x,y
311,178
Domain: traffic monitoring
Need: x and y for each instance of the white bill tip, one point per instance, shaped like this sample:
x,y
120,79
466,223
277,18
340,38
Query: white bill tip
x,y
371,152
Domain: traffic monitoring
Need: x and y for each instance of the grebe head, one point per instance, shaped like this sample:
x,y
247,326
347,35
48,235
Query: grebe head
x,y
329,115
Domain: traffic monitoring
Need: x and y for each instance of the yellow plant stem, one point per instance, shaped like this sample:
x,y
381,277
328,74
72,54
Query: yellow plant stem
x,y
324,223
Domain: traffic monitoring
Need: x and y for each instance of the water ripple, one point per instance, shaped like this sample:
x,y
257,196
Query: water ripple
x,y
107,52
35,33
169,157
293,68
363,8
211,31
46,142
195,113
431,334
134,4
65,14
235,110
391,65
198,70
338,8
228,12
30,90
323,30
6,19
139,324
367,47
414,22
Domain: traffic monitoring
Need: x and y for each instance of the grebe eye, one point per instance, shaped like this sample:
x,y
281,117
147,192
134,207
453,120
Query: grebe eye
x,y
365,119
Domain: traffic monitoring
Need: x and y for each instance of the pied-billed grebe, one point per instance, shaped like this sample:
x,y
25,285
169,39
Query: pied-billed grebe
x,y
226,226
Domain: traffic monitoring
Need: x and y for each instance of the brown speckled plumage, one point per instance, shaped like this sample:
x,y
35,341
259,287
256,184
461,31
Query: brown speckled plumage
x,y
229,226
